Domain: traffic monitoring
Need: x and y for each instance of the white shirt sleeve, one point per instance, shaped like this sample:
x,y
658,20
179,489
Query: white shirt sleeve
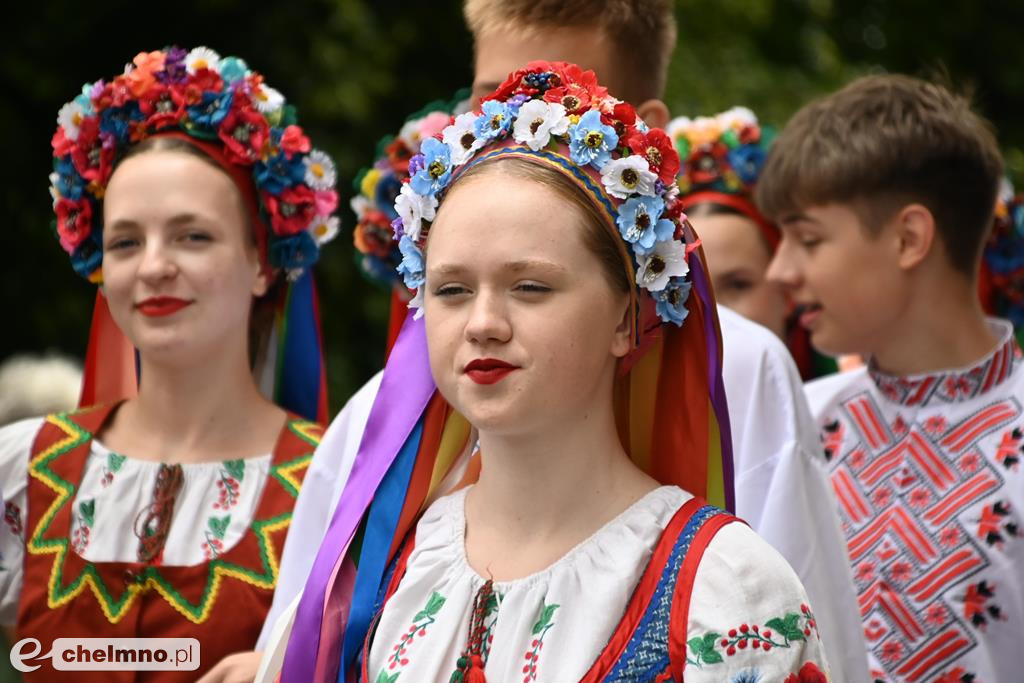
x,y
749,618
15,449
782,486
321,488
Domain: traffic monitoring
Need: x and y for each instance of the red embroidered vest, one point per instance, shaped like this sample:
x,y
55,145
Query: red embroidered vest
x,y
222,602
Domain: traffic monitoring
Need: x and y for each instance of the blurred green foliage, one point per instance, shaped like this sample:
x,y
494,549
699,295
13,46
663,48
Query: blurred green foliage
x,y
355,69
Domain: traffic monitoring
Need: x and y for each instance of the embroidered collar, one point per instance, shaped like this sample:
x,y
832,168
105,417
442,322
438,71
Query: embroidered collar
x,y
954,385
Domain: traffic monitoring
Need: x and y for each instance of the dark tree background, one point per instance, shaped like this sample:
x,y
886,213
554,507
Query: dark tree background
x,y
356,68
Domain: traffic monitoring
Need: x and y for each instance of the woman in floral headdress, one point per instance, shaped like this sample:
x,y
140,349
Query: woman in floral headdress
x,y
569,331
185,188
722,157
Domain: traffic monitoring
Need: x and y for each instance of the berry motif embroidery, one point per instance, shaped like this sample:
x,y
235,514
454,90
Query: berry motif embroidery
x,y
490,620
398,659
216,528
540,630
84,522
778,632
229,484
113,466
12,518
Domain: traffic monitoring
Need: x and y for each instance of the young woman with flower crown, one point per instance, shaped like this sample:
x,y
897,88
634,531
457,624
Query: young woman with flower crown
x,y
529,498
185,188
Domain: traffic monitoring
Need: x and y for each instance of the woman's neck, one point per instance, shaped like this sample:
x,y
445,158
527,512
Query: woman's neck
x,y
196,413
540,495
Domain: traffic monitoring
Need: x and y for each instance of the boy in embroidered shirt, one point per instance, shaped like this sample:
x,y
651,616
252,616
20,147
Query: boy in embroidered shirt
x,y
885,192
781,486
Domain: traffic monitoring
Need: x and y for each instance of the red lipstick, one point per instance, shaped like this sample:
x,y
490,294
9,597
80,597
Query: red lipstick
x,y
808,315
159,306
488,370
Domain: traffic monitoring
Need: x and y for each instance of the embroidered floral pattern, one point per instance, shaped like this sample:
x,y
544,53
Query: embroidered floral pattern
x,y
12,518
398,659
778,632
84,522
113,466
231,475
809,673
540,629
216,528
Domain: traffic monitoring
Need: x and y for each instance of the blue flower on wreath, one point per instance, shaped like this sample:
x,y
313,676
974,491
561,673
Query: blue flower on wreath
x,y
232,69
378,270
670,302
88,256
746,161
84,100
494,122
591,141
385,193
211,110
279,172
69,184
117,121
640,222
298,251
437,168
412,266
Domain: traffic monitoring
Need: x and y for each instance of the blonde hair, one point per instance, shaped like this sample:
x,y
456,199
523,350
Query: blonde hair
x,y
641,33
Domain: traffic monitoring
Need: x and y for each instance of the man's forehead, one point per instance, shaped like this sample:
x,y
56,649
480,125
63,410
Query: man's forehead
x,y
499,53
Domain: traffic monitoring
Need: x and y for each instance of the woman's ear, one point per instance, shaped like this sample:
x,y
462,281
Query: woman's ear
x,y
654,113
622,342
915,226
261,284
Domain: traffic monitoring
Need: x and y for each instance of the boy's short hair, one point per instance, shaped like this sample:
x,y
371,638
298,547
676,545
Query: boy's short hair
x,y
883,142
642,33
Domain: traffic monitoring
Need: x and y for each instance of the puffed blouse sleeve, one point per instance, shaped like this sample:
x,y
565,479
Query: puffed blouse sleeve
x,y
749,618
15,448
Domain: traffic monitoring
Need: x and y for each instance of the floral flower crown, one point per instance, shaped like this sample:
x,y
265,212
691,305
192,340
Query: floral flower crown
x,y
722,153
556,113
378,187
220,105
1004,256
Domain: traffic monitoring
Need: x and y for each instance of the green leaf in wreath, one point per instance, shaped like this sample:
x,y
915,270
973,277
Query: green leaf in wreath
x,y
544,620
236,468
219,525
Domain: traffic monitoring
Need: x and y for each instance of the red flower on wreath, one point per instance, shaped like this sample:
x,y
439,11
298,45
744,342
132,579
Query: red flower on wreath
x,y
657,148
574,97
292,211
74,222
244,132
374,235
622,118
61,144
398,154
163,106
203,80
293,142
93,160
706,163
809,673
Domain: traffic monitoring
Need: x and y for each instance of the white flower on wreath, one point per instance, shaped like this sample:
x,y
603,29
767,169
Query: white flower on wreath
x,y
667,260
323,229
414,209
320,171
737,118
268,100
628,176
360,205
201,58
70,117
416,303
54,192
462,139
537,121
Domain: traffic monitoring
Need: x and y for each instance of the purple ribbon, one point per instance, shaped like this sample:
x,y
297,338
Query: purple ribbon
x,y
699,279
405,391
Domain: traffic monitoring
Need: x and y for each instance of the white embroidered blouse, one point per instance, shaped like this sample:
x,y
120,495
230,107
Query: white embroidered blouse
x,y
213,510
552,625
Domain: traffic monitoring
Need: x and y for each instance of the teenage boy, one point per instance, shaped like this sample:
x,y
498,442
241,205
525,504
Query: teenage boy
x,y
885,192
782,489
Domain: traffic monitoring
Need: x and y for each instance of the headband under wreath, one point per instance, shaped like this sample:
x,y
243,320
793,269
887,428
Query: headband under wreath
x,y
556,113
222,107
